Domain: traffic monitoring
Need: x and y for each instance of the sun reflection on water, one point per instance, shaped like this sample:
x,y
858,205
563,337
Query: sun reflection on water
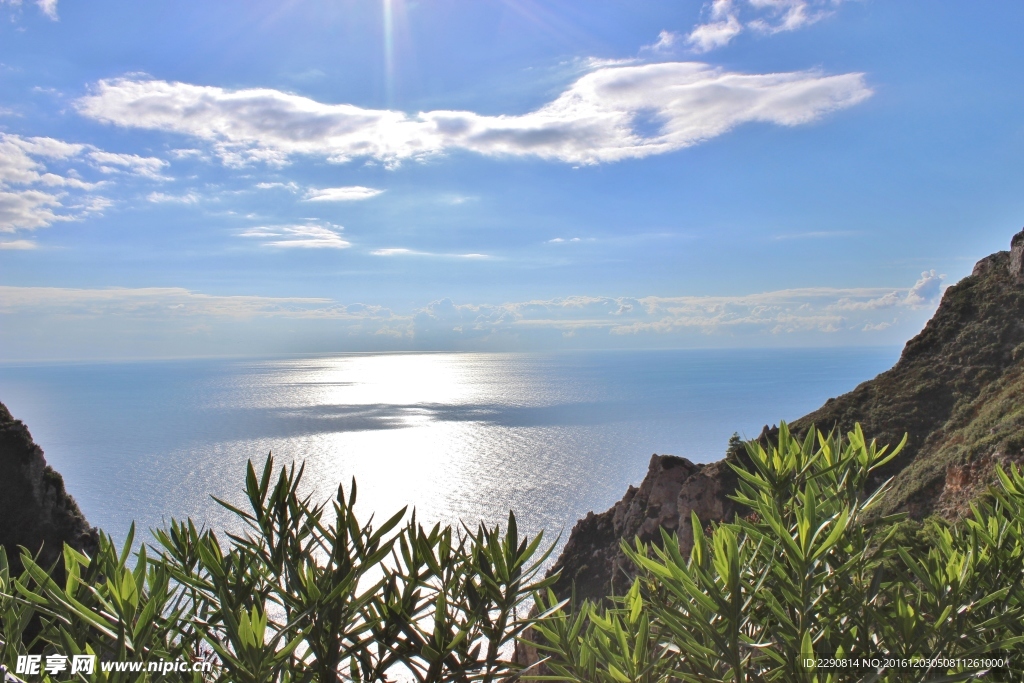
x,y
457,436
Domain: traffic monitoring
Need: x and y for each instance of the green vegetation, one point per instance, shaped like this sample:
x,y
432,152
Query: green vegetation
x,y
981,432
808,574
299,597
811,572
960,378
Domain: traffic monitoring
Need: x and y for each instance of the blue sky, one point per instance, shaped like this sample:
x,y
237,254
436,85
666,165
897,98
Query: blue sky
x,y
258,177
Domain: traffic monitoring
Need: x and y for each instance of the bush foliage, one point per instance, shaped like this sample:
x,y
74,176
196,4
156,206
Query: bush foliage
x,y
302,596
310,593
809,575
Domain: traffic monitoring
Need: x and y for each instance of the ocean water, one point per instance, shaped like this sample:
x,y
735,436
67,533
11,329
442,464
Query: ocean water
x,y
457,436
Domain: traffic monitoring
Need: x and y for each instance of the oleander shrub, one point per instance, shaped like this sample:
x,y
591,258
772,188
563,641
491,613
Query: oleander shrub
x,y
809,574
806,576
307,593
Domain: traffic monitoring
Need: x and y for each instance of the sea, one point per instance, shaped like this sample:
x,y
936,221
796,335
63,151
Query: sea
x,y
457,437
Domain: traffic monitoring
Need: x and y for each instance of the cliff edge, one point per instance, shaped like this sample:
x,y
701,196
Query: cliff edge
x,y
957,391
35,510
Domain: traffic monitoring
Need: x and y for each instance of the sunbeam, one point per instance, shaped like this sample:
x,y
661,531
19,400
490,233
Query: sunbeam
x,y
389,52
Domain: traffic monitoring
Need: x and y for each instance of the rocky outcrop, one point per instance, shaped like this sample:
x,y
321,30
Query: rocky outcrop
x,y
35,510
957,391
592,564
673,488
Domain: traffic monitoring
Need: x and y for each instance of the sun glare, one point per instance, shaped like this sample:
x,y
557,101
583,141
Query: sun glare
x,y
389,51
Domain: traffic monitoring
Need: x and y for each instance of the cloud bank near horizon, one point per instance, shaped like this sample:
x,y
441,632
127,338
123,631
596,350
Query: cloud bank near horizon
x,y
794,316
610,114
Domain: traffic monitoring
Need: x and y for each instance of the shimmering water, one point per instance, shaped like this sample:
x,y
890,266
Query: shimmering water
x,y
458,436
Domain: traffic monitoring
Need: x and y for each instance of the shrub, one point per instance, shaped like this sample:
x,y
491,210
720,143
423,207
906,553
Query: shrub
x,y
309,593
302,595
808,575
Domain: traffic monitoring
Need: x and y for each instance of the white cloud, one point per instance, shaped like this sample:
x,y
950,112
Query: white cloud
x,y
719,31
789,15
18,245
161,198
729,18
926,290
90,205
593,121
28,210
299,236
352,193
187,153
397,251
147,167
666,41
562,240
176,301
400,251
28,178
292,187
707,37
18,158
810,315
456,199
793,312
50,148
49,8
585,64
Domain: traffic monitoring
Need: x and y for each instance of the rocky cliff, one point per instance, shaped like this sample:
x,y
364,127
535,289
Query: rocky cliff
x,y
957,391
35,510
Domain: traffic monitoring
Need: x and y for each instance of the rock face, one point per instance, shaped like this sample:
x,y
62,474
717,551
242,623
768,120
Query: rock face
x,y
673,487
957,391
35,510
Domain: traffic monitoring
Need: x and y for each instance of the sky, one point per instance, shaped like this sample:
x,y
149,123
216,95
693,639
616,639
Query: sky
x,y
254,177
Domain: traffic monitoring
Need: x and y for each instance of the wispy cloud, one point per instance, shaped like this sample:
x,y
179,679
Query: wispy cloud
x,y
47,7
722,27
21,245
162,198
456,199
400,251
789,15
666,42
176,301
727,19
291,186
353,193
187,153
299,236
597,119
147,167
39,184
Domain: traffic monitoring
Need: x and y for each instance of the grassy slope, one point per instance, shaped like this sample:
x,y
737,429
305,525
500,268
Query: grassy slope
x,y
956,391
